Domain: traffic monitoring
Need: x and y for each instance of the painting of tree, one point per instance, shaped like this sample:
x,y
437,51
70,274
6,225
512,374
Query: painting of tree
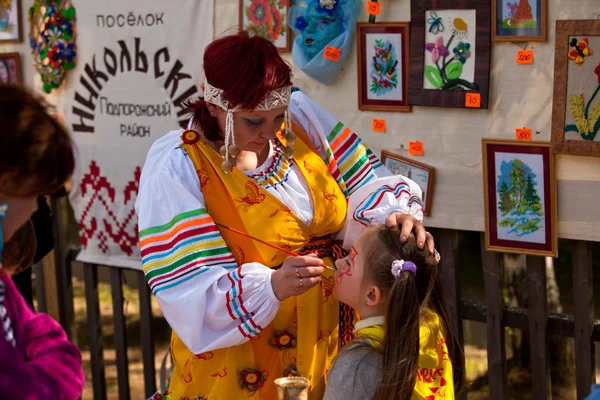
x,y
519,203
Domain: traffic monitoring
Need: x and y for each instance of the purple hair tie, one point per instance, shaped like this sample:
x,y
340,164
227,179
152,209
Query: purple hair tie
x,y
399,266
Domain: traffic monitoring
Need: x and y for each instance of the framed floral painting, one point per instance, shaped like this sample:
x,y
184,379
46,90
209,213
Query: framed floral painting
x,y
269,19
383,66
10,69
576,100
519,20
519,186
422,174
450,53
10,21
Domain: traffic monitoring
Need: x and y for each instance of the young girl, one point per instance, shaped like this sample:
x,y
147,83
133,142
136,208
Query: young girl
x,y
36,157
403,347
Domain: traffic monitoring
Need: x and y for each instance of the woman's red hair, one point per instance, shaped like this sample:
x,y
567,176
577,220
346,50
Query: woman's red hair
x,y
246,67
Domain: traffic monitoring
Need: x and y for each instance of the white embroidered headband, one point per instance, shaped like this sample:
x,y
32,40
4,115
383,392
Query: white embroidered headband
x,y
277,98
399,266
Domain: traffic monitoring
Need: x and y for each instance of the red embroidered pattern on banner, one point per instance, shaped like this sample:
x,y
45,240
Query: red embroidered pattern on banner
x,y
103,194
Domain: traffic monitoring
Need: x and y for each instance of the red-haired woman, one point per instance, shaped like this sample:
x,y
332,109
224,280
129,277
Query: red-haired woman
x,y
278,167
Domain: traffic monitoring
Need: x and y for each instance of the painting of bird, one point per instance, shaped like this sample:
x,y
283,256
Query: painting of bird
x,y
378,67
391,70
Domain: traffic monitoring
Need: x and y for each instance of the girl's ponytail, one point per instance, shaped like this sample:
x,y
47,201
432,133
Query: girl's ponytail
x,y
401,343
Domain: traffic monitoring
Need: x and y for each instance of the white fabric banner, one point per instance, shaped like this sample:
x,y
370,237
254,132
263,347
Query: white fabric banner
x,y
138,60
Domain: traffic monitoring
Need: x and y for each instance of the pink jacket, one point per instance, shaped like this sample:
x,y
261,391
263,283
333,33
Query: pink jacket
x,y
44,364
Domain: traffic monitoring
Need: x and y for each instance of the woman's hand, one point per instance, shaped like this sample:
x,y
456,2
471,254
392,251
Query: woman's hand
x,y
297,275
410,223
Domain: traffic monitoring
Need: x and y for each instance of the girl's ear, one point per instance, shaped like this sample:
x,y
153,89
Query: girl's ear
x,y
374,296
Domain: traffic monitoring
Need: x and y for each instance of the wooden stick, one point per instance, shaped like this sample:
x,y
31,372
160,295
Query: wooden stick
x,y
291,253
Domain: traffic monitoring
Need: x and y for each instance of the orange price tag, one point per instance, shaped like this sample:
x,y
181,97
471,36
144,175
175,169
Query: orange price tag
x,y
525,57
415,148
523,133
379,125
473,100
373,8
332,53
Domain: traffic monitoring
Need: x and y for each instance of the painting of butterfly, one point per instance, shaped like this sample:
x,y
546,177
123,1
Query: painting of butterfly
x,y
435,23
511,6
579,50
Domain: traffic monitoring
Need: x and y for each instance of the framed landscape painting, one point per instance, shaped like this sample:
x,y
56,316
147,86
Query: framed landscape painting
x,y
269,19
10,68
449,53
576,99
422,174
383,66
519,185
519,20
10,21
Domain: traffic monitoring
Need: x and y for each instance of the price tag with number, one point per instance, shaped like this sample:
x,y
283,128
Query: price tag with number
x,y
525,57
473,100
523,133
332,53
415,148
373,8
379,125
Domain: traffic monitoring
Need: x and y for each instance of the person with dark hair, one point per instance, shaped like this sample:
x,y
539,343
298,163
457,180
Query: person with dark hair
x,y
404,348
277,167
37,361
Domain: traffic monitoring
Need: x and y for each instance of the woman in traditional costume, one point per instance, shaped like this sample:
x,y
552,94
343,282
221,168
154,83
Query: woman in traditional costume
x,y
279,168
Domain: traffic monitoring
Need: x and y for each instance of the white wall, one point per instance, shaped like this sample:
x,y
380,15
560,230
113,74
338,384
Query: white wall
x,y
519,96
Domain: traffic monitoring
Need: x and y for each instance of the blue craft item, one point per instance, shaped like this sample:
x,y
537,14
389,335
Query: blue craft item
x,y
595,393
318,27
3,208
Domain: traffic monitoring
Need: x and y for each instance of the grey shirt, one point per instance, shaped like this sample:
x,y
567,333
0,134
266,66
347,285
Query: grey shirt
x,y
356,373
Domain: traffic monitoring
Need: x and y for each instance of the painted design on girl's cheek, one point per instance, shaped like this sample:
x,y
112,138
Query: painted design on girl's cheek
x,y
345,270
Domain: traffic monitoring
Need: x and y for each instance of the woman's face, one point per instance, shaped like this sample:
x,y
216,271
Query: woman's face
x,y
19,211
253,129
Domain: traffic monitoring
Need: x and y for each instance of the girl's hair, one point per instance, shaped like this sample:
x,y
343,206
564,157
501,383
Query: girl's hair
x,y
246,67
36,152
409,300
19,252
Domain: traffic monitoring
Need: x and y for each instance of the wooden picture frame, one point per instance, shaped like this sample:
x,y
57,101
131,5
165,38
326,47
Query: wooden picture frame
x,y
472,77
377,90
520,211
11,17
506,17
283,44
399,166
572,81
10,69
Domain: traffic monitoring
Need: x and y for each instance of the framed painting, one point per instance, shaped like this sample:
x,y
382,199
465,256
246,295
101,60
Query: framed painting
x,y
269,19
576,99
422,174
449,53
10,21
519,20
519,186
10,69
383,66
